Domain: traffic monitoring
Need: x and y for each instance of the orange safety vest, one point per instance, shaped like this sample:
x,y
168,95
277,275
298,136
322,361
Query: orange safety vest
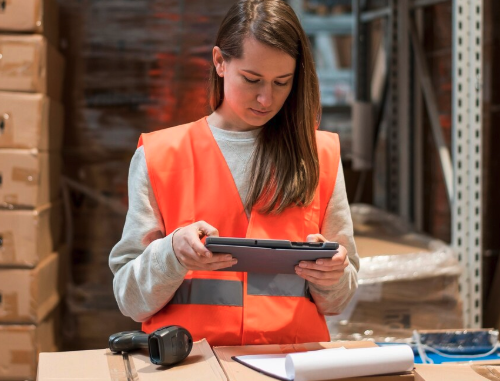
x,y
192,182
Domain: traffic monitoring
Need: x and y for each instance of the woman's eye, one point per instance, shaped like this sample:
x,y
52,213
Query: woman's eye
x,y
250,81
281,84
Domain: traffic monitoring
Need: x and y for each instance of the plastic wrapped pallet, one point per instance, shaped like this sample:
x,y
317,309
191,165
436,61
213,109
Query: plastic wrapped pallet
x,y
407,281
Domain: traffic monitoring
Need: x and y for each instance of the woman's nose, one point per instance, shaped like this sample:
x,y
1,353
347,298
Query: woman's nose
x,y
265,96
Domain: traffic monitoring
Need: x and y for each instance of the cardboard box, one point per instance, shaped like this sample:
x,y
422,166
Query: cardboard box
x,y
385,244
33,16
20,347
28,178
238,372
410,315
30,64
201,365
29,236
432,289
28,295
30,121
474,371
395,320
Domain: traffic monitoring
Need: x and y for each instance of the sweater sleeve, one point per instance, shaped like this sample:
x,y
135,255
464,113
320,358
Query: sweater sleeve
x,y
145,267
337,226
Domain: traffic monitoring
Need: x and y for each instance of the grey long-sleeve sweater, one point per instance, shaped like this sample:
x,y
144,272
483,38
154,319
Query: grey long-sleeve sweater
x,y
146,270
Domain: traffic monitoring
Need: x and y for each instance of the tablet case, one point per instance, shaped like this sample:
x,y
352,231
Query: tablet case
x,y
261,258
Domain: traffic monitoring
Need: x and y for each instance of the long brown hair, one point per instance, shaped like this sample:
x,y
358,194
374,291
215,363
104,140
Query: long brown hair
x,y
285,167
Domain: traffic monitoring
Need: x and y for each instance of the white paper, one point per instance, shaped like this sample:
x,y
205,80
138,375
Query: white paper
x,y
274,364
331,364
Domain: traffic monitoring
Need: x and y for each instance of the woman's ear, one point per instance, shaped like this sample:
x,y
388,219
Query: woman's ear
x,y
218,61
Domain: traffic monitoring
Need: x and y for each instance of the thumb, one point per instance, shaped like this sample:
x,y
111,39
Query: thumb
x,y
206,230
315,238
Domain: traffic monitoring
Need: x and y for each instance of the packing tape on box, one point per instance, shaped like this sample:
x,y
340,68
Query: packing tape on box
x,y
7,247
121,367
9,307
21,357
17,59
487,371
10,199
26,175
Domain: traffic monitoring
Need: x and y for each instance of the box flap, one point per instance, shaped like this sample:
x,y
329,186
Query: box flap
x,y
201,365
73,365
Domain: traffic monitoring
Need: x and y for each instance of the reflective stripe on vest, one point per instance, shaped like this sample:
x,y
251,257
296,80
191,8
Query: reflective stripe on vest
x,y
276,285
230,308
219,292
210,292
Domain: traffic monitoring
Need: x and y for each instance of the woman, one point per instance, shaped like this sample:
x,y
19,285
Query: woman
x,y
256,167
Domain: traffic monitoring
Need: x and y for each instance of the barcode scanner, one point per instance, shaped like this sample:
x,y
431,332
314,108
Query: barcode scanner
x,y
167,346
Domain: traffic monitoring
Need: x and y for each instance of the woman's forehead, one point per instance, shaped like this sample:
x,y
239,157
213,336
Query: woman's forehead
x,y
264,59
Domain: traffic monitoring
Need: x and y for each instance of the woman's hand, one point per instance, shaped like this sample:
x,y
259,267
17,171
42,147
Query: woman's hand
x,y
324,271
191,252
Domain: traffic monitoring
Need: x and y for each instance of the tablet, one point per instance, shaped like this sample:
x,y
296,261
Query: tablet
x,y
268,255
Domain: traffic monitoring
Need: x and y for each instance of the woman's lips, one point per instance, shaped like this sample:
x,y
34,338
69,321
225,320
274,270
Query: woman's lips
x,y
260,113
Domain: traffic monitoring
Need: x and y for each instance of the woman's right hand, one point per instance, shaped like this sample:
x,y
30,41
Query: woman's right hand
x,y
191,252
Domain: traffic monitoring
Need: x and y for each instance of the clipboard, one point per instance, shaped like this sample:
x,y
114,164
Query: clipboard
x,y
269,256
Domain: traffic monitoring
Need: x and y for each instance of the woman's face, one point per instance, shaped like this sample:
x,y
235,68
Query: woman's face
x,y
255,85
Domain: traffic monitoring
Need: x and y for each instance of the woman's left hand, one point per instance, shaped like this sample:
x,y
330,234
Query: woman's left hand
x,y
324,271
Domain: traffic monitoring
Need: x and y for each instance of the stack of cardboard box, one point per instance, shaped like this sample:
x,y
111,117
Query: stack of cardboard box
x,y
31,119
407,281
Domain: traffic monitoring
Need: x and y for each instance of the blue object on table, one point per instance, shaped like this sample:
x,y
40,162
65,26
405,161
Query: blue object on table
x,y
440,359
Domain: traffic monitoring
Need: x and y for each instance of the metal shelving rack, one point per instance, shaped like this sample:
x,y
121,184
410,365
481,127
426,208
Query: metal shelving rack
x,y
321,29
462,176
461,168
467,101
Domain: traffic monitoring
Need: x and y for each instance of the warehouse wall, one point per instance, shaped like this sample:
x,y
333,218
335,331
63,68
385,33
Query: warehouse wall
x,y
132,67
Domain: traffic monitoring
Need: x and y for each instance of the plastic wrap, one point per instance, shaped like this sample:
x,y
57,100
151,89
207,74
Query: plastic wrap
x,y
413,287
435,258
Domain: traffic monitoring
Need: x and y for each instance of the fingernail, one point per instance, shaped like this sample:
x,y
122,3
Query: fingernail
x,y
234,262
208,254
319,262
302,264
298,270
228,257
